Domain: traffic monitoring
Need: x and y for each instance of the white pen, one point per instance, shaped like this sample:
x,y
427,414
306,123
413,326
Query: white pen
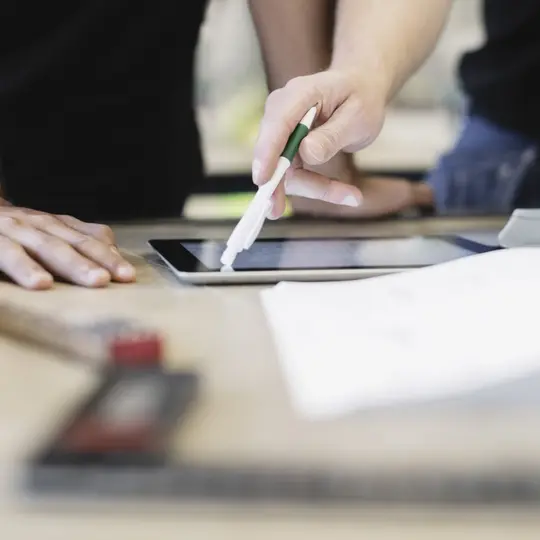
x,y
249,227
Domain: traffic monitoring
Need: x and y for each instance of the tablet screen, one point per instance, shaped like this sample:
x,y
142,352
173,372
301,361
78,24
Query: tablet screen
x,y
303,254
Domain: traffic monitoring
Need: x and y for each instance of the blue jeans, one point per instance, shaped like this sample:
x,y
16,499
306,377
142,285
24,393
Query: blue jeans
x,y
490,170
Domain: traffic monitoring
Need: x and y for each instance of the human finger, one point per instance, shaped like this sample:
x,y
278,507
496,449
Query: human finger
x,y
55,254
21,268
104,254
311,185
99,231
284,109
344,129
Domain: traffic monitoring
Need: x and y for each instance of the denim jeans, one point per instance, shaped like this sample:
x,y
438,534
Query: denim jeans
x,y
490,170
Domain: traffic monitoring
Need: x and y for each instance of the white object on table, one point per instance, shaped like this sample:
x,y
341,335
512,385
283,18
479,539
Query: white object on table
x,y
522,229
425,334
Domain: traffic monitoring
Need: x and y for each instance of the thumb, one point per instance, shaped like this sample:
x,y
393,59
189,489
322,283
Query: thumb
x,y
325,141
320,146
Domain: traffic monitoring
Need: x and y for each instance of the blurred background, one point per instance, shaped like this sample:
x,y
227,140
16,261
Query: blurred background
x,y
421,124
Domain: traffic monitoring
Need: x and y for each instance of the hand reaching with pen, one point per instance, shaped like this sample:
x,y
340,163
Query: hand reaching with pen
x,y
35,247
350,117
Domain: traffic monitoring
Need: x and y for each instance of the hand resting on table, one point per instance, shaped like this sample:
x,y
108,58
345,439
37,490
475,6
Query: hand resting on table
x,y
36,247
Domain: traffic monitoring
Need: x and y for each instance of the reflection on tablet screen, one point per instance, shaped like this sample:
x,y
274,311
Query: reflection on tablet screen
x,y
342,253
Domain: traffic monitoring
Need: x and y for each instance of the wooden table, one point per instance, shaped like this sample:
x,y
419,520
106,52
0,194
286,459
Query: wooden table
x,y
244,414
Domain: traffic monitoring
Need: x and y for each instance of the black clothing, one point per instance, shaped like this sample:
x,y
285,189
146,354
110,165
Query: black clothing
x,y
96,106
502,77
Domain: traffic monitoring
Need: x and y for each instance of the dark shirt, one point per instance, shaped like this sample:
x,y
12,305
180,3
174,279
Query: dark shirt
x,y
96,106
502,78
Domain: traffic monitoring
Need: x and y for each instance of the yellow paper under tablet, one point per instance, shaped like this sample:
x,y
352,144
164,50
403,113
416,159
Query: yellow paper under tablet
x,y
229,206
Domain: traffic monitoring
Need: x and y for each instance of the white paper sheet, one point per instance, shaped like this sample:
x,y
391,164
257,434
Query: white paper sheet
x,y
424,334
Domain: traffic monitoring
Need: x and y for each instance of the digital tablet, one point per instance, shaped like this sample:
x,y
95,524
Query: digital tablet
x,y
313,259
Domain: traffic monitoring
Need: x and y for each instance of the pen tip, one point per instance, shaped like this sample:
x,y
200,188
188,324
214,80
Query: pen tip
x,y
228,257
309,118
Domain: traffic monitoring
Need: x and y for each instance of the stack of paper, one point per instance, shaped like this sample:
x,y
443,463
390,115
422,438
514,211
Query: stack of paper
x,y
424,334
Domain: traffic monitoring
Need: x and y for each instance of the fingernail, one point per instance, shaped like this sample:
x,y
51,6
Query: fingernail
x,y
350,200
125,272
40,280
114,249
256,171
97,276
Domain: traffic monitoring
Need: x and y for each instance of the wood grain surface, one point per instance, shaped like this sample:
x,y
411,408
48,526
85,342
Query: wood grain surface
x,y
244,415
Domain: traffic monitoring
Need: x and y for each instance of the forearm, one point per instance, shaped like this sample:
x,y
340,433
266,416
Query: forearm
x,y
295,37
387,40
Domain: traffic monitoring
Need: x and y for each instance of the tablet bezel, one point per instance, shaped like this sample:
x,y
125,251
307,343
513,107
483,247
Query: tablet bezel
x,y
187,267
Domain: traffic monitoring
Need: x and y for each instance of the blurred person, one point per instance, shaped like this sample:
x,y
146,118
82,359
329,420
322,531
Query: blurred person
x,y
494,164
